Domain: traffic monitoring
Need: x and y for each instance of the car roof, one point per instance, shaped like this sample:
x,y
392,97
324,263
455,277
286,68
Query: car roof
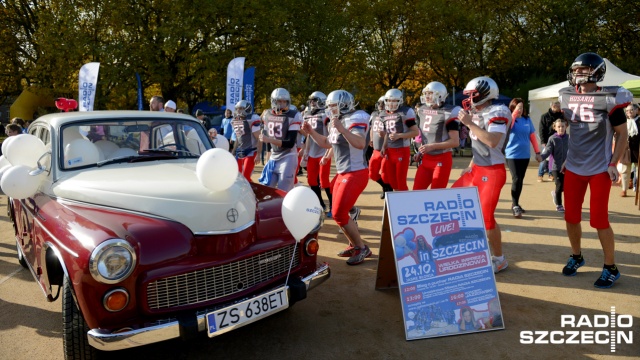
x,y
58,119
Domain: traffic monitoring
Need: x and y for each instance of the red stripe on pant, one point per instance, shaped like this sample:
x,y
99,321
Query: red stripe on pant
x,y
575,188
346,188
314,169
396,167
246,165
375,165
434,170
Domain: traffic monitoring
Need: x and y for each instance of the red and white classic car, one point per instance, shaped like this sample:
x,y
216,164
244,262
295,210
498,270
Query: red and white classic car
x,y
140,251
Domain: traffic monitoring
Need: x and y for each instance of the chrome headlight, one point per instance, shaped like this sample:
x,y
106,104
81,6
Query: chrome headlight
x,y
112,261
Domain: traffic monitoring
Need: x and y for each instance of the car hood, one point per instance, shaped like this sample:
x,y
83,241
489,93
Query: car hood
x,y
162,188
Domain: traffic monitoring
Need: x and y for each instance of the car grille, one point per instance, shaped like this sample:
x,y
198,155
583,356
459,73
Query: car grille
x,y
219,281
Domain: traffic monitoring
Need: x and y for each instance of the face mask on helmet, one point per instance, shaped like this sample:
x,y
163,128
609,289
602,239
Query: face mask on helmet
x,y
243,109
587,68
434,94
380,104
339,102
280,101
480,90
393,100
317,101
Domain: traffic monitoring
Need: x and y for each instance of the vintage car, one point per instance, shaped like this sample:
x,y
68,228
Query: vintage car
x,y
138,248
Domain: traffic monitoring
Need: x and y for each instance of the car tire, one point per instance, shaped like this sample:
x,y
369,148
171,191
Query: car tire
x,y
21,258
74,334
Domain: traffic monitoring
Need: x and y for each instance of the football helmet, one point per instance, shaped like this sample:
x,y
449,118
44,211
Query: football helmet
x,y
435,93
596,72
317,101
380,103
339,102
480,90
243,108
278,95
393,100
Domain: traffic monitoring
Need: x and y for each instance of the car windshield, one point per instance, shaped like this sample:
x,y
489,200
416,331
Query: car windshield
x,y
100,142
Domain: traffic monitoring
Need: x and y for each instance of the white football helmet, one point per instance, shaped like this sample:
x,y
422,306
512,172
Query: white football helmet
x,y
380,103
339,102
435,93
317,101
480,90
280,94
393,100
243,108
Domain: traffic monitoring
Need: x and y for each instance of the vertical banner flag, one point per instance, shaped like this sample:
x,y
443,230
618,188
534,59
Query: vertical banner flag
x,y
249,78
139,91
87,86
235,74
443,263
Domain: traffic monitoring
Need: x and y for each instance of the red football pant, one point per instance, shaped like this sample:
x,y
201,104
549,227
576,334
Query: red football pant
x,y
396,167
314,169
575,187
346,188
434,170
246,165
489,180
375,165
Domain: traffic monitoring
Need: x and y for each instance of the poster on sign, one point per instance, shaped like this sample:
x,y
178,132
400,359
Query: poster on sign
x,y
443,263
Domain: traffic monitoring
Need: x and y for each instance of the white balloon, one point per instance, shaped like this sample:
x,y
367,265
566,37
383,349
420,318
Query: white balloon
x,y
221,142
301,211
107,147
80,152
4,169
5,143
122,152
25,149
4,161
71,133
18,184
217,169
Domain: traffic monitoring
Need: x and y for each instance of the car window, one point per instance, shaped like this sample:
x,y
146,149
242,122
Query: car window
x,y
86,144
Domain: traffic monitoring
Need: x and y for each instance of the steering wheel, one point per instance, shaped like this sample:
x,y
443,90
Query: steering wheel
x,y
178,147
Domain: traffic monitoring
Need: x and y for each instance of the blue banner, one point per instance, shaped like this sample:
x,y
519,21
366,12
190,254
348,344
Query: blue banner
x,y
249,77
139,92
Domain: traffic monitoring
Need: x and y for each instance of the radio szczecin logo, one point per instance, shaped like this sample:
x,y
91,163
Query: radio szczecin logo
x,y
585,330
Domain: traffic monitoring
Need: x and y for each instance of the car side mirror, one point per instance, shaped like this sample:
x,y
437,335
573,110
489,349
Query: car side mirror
x,y
39,167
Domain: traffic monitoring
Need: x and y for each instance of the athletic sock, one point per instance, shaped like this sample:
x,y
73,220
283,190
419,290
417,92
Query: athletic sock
x,y
577,258
316,190
330,197
612,268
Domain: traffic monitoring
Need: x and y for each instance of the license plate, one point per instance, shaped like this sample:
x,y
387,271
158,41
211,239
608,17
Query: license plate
x,y
246,312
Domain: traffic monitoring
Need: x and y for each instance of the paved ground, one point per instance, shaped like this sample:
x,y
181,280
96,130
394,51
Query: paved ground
x,y
347,318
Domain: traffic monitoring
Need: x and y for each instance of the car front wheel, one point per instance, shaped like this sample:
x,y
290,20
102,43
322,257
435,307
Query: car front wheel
x,y
75,343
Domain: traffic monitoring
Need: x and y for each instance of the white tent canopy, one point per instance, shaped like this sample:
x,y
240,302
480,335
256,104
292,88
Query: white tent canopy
x,y
540,99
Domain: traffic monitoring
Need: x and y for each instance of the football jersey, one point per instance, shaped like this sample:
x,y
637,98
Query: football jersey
x,y
376,124
348,158
318,121
591,126
278,127
494,118
244,129
435,125
396,122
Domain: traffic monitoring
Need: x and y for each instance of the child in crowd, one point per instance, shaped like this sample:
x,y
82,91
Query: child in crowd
x,y
557,146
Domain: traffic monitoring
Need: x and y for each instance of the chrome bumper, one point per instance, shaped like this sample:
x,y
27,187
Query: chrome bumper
x,y
171,330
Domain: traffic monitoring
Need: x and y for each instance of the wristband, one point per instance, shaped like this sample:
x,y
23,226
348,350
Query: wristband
x,y
537,153
612,165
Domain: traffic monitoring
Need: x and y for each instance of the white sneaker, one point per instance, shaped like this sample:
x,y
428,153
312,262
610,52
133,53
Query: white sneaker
x,y
498,265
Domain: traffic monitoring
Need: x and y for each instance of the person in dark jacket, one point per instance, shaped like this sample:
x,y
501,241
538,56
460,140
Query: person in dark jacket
x,y
546,130
558,146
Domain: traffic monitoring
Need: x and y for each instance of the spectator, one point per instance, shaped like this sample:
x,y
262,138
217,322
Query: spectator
x,y
557,146
204,119
634,142
630,155
156,103
170,106
180,111
20,122
592,111
13,129
518,152
227,127
546,130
